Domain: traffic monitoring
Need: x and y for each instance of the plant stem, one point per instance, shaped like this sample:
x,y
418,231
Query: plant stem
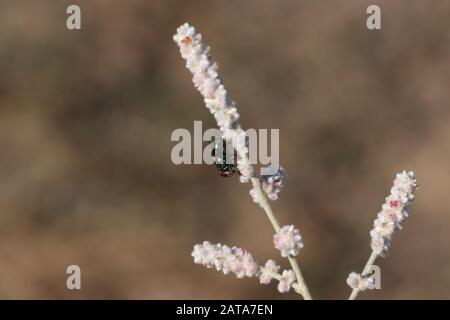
x,y
300,279
369,264
278,277
269,213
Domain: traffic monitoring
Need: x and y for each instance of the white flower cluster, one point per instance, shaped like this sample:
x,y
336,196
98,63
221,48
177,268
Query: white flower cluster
x,y
241,263
288,240
238,139
205,76
206,80
273,184
287,279
356,281
270,265
393,211
226,259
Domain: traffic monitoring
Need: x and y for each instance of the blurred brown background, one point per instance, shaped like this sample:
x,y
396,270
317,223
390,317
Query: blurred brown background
x,y
85,124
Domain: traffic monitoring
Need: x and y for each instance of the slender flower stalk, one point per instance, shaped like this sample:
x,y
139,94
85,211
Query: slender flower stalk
x,y
262,201
279,277
393,211
363,281
217,101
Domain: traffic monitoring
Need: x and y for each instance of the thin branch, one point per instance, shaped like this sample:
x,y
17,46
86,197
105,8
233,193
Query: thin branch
x,y
273,220
278,277
368,266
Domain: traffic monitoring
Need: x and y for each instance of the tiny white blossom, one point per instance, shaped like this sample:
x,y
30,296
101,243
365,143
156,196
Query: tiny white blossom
x,y
255,196
271,266
272,185
287,279
288,240
356,281
204,254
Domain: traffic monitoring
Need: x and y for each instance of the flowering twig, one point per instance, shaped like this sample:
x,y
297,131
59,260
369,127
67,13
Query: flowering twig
x,y
394,210
207,81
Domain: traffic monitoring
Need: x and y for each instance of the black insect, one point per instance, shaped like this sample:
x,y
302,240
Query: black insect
x,y
219,152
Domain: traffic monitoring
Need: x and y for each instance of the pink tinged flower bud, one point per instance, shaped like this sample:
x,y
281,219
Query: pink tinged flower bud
x,y
393,212
287,279
272,185
271,266
288,240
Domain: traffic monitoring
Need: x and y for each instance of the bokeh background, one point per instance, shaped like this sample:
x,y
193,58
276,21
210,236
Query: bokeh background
x,y
86,117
